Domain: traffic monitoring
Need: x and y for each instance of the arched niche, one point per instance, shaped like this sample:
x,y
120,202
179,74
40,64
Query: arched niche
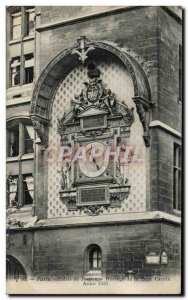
x,y
51,77
14,269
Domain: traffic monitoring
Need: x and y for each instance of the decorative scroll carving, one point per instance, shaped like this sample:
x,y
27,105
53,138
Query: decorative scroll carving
x,y
82,48
93,133
127,113
93,210
119,195
39,129
70,202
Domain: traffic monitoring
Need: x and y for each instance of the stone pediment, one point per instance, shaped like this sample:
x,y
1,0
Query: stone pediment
x,y
92,111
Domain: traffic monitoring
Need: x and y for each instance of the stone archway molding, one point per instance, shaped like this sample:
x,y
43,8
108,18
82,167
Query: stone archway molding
x,y
49,80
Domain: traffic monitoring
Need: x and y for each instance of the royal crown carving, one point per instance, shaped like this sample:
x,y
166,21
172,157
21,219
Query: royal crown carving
x,y
95,96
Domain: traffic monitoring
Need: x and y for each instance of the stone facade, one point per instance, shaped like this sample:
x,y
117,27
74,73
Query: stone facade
x,y
53,253
147,223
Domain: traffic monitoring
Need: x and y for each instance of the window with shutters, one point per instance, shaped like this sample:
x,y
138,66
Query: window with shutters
x,y
20,135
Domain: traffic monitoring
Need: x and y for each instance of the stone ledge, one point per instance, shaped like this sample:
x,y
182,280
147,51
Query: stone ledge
x,y
161,125
105,220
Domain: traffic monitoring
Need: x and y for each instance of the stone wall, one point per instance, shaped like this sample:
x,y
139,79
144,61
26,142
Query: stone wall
x,y
58,252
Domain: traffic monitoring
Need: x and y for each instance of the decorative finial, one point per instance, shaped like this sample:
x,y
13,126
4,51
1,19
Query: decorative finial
x,y
82,48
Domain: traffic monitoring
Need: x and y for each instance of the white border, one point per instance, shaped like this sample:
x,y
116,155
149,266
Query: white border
x,y
4,3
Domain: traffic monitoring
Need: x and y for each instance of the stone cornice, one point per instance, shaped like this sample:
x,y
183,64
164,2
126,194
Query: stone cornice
x,y
106,220
163,126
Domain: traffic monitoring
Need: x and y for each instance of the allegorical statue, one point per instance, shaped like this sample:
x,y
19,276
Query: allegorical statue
x,y
65,176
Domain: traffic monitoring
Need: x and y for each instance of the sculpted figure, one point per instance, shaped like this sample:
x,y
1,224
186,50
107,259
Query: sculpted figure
x,y
65,178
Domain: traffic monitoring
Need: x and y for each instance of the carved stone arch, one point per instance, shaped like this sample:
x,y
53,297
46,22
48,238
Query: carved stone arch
x,y
19,117
51,77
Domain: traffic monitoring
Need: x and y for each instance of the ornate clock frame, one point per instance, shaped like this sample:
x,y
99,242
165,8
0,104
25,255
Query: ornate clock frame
x,y
95,115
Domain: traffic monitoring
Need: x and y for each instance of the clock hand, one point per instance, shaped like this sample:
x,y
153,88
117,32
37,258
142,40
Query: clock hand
x,y
94,160
90,150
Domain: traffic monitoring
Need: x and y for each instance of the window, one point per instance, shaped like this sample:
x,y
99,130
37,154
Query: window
x,y
13,149
16,26
15,71
22,24
30,15
177,177
29,63
180,74
26,14
17,67
20,187
28,138
20,137
20,190
28,189
28,75
95,259
12,195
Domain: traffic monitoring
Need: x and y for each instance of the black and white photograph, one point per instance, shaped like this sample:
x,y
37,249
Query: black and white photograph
x,y
94,165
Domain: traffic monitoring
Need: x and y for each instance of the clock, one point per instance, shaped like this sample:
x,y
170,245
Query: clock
x,y
95,160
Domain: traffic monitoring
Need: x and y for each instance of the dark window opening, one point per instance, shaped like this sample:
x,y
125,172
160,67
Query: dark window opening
x,y
28,75
30,17
14,141
29,137
29,69
95,258
29,56
17,96
25,240
28,189
20,139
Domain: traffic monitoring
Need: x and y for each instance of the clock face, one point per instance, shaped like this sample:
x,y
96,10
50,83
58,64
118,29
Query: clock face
x,y
95,163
